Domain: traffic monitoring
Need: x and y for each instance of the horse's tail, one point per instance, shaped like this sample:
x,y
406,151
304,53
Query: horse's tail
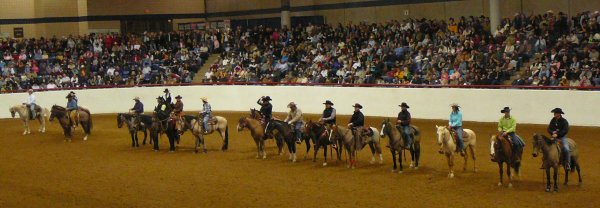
x,y
416,130
226,142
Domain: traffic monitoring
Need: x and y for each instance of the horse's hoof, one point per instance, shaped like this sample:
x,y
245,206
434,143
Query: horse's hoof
x,y
400,172
195,151
264,157
155,150
416,167
204,151
451,175
499,184
324,164
547,189
85,138
294,160
393,170
372,162
171,151
510,185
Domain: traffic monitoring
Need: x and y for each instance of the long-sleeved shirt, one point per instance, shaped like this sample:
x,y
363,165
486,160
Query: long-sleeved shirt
x,y
329,115
178,107
266,109
72,104
455,119
294,116
138,107
167,98
30,99
507,125
357,119
206,109
560,125
404,118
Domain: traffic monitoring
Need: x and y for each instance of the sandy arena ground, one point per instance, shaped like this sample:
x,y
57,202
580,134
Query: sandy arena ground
x,y
41,170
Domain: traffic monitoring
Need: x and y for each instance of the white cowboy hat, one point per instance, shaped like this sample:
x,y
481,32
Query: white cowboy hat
x,y
136,98
204,98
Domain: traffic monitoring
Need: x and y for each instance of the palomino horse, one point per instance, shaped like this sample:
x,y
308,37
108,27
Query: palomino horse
x,y
24,115
285,130
257,133
372,140
84,118
345,139
320,138
195,125
397,144
145,123
551,154
448,146
502,152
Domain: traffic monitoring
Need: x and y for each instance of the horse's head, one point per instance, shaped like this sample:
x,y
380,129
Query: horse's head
x,y
385,127
120,120
53,112
537,144
255,114
242,123
441,133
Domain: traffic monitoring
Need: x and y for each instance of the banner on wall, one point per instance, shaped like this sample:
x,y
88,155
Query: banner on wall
x,y
204,25
18,32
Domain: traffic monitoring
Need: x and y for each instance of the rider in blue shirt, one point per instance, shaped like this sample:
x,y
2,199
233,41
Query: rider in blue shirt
x,y
455,123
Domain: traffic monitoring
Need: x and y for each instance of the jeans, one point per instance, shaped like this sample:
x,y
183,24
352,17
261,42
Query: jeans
x,y
516,140
566,151
205,122
459,134
297,130
406,134
32,107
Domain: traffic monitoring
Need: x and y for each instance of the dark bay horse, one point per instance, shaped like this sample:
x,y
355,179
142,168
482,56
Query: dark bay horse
x,y
168,126
551,154
285,131
85,119
145,124
397,144
317,133
502,152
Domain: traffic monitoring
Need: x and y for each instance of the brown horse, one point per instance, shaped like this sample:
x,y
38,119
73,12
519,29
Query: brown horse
x,y
320,138
85,119
502,152
551,154
257,133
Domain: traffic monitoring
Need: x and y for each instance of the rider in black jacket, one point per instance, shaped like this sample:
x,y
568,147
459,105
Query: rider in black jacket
x,y
558,128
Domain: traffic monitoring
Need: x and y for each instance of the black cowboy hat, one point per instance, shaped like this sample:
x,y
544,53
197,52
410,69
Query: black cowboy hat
x,y
159,98
266,98
69,96
72,92
404,105
328,102
506,109
557,110
455,105
178,97
357,106
166,90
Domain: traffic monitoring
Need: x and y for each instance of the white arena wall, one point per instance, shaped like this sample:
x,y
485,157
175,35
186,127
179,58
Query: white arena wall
x,y
582,108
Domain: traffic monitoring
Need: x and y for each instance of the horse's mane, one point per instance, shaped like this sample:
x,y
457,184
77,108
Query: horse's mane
x,y
189,118
544,138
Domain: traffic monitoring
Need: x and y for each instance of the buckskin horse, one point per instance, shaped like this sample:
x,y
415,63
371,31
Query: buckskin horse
x,y
372,139
551,154
448,145
397,142
41,115
320,138
84,118
257,133
502,152
194,124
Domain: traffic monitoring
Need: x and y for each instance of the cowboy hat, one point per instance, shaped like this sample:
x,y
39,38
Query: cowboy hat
x,y
72,92
136,98
404,105
455,105
292,104
557,110
166,90
328,102
204,99
506,109
178,97
266,98
30,90
356,105
159,98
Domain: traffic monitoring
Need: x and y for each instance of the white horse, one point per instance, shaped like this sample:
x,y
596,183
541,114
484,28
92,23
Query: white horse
x,y
24,115
448,147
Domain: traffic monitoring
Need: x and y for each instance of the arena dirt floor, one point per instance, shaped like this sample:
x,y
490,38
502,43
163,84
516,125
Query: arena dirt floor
x,y
41,170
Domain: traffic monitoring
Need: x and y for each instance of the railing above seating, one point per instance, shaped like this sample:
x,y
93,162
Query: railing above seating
x,y
523,87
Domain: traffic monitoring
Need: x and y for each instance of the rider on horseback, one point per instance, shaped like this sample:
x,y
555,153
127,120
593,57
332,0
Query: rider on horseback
x,y
206,113
30,103
455,124
178,111
137,109
294,118
507,126
167,97
403,121
357,121
72,109
558,128
329,119
266,109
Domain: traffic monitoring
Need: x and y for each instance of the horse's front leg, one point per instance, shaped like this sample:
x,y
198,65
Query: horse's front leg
x,y
393,159
131,134
203,142
324,155
145,136
450,158
500,167
198,144
258,152
372,153
509,174
307,142
262,147
137,143
25,126
548,179
417,154
555,179
566,175
400,160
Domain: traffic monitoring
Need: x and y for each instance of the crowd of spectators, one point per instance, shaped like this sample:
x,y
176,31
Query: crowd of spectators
x,y
459,51
103,59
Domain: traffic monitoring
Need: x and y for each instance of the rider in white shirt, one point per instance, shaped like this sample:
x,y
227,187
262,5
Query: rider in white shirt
x,y
30,102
